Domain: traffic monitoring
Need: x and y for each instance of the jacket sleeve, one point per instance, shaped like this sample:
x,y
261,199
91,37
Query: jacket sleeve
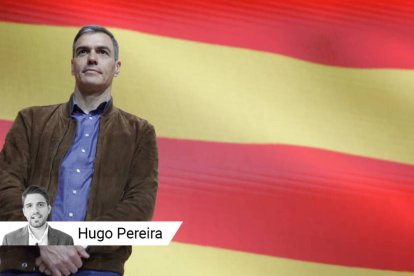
x,y
138,201
13,169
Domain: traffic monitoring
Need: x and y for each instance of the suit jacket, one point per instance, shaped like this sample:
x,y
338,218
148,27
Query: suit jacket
x,y
21,237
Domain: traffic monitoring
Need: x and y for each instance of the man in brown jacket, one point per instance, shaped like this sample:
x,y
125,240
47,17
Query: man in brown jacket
x,y
96,161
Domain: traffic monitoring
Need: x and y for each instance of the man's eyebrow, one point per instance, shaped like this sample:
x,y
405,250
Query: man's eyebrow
x,y
81,48
100,48
88,47
44,201
103,47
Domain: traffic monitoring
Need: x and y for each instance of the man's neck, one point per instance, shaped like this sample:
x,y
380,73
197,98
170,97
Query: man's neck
x,y
38,232
89,102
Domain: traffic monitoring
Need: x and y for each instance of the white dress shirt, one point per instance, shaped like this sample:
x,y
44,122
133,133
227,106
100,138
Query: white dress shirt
x,y
42,241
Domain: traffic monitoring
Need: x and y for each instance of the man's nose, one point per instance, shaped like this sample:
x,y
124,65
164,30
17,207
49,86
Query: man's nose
x,y
92,58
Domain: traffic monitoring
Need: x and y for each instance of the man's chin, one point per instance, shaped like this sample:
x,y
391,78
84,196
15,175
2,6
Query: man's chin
x,y
37,224
93,79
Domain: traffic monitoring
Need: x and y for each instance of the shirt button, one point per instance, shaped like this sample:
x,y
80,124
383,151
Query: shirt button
x,y
71,214
24,265
77,170
90,118
87,134
74,192
83,150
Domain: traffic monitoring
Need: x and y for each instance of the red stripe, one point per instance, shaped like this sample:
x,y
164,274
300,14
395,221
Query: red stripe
x,y
289,201
369,34
4,128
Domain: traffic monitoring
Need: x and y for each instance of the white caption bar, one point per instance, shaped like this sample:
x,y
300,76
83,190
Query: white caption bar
x,y
109,232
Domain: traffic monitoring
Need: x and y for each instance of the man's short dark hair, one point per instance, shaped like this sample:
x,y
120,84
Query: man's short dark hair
x,y
90,29
35,190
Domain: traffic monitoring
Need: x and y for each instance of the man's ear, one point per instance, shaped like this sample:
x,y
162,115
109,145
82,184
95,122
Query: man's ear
x,y
24,214
71,66
117,68
50,208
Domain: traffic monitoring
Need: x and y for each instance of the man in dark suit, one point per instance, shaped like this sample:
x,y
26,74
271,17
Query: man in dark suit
x,y
36,209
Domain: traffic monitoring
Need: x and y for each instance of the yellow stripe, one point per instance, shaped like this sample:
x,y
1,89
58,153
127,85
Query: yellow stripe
x,y
198,91
184,259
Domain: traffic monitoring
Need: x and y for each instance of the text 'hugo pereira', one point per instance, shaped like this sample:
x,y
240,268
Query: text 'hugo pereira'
x,y
101,235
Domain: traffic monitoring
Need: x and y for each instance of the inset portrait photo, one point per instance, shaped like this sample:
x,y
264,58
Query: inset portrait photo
x,y
36,209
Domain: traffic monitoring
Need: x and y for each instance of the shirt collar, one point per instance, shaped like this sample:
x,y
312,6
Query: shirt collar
x,y
98,111
42,240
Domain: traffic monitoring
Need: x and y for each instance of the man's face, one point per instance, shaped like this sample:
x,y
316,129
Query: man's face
x,y
93,64
36,210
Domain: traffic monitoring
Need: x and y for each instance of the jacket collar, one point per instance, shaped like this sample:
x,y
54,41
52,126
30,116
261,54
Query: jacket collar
x,y
68,108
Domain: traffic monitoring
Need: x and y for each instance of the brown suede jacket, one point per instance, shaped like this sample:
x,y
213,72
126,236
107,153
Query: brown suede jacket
x,y
124,184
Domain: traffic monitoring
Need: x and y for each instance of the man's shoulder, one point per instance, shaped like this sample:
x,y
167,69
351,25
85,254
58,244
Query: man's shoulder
x,y
41,109
131,119
42,115
16,237
57,232
17,233
57,237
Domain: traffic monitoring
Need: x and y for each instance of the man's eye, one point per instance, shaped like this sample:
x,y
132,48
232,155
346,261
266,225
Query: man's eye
x,y
41,204
29,206
104,52
81,52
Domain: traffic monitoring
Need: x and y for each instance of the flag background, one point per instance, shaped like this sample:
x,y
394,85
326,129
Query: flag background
x,y
284,128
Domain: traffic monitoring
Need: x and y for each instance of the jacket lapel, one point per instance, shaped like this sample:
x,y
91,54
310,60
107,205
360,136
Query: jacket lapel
x,y
51,237
23,236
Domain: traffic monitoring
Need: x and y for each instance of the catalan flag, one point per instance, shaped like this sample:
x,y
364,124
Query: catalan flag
x,y
285,128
